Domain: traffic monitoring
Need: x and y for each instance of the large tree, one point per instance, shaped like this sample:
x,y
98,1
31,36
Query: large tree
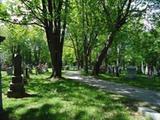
x,y
48,14
116,13
87,18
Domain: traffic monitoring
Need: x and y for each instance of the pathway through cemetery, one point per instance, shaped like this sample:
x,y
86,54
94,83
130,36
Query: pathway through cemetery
x,y
148,96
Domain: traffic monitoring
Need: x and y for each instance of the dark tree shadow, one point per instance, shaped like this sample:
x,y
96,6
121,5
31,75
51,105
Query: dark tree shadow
x,y
32,95
4,115
43,113
68,94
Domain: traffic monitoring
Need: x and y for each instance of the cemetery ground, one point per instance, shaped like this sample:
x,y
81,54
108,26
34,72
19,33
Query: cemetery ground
x,y
141,81
66,100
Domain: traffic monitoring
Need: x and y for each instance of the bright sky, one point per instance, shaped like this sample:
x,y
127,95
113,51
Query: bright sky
x,y
2,1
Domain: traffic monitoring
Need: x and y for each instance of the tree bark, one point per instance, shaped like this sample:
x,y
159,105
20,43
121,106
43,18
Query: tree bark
x,y
85,55
120,21
55,32
103,53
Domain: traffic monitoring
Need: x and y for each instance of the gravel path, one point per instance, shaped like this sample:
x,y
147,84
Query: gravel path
x,y
149,96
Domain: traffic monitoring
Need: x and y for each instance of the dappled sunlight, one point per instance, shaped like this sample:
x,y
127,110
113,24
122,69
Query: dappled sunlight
x,y
136,93
141,81
66,100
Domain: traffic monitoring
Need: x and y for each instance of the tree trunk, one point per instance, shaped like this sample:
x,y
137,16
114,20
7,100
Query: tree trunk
x,y
103,53
55,53
57,56
86,63
142,67
117,70
85,56
90,60
81,62
150,71
120,21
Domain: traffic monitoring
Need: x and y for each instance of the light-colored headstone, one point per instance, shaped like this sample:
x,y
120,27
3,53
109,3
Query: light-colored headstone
x,y
149,113
9,70
131,72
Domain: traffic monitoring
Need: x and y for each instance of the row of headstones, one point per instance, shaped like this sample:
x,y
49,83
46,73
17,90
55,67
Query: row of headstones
x,y
116,70
18,80
40,69
132,71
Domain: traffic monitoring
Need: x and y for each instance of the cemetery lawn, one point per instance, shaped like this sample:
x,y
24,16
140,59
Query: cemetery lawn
x,y
141,81
66,100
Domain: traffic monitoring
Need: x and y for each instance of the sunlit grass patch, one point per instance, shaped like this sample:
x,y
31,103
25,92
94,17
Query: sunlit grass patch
x,y
65,100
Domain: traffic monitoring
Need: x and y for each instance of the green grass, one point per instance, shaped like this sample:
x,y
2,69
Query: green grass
x,y
66,100
142,81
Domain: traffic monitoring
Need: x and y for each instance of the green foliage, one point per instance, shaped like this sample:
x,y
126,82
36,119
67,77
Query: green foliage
x,y
29,39
88,25
3,12
68,54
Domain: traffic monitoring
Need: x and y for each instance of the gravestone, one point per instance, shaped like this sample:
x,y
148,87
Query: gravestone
x,y
41,68
131,72
17,85
25,73
149,113
103,69
9,71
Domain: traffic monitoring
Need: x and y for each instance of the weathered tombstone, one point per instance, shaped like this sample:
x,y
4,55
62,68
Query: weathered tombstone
x,y
25,73
17,85
158,71
103,69
109,69
131,72
9,71
39,69
149,113
66,67
30,69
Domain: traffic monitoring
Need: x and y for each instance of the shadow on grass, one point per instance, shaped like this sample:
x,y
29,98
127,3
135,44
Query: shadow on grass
x,y
42,113
66,100
4,115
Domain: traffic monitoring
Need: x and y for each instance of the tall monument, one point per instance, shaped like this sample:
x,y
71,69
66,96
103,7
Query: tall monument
x,y
17,84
